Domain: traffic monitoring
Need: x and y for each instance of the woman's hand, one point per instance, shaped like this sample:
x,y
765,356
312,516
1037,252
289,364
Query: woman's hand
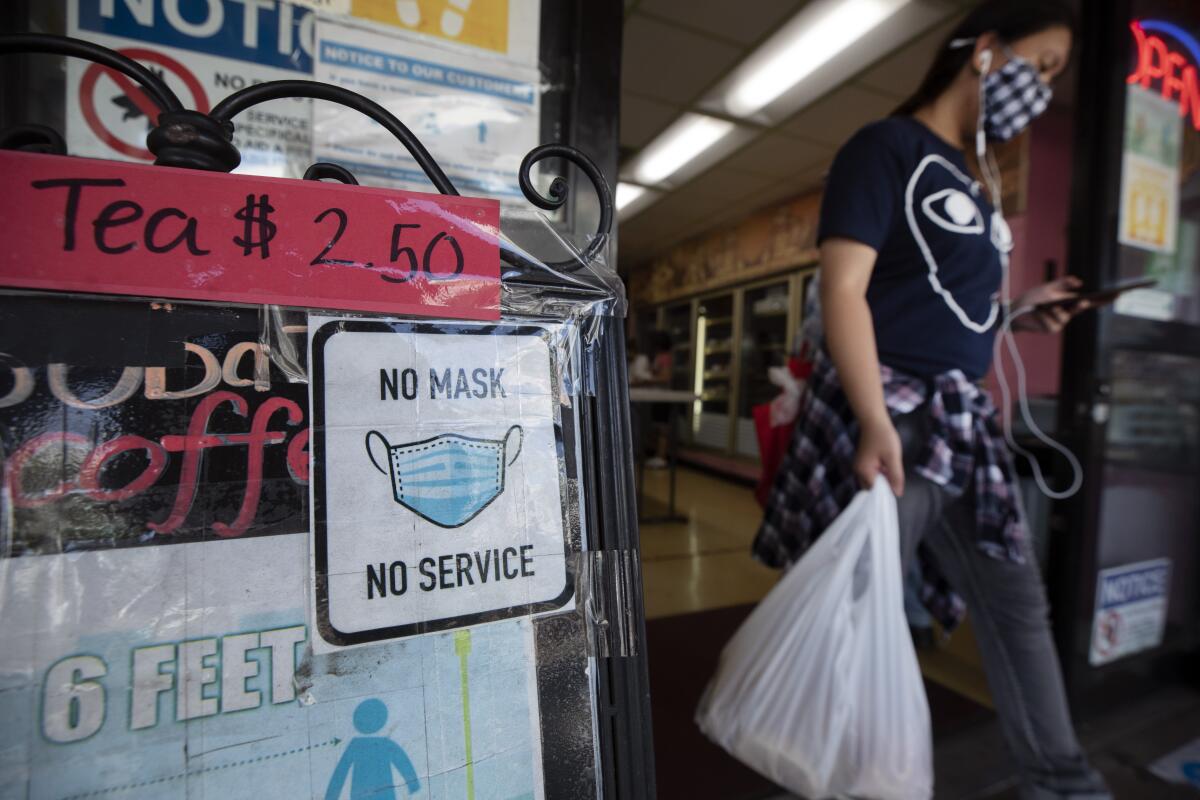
x,y
1048,319
879,451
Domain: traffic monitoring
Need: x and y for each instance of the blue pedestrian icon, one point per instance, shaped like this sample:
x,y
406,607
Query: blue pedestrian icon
x,y
368,760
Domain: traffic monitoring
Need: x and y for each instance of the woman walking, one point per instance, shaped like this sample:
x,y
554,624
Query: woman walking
x,y
912,265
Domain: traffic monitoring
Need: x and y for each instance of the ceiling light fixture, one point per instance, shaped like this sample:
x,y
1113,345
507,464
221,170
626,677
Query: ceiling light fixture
x,y
805,43
627,193
688,137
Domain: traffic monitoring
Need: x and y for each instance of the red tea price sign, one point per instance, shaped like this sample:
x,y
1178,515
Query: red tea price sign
x,y
83,225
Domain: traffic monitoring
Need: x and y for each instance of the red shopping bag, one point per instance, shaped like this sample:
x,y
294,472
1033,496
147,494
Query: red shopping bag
x,y
772,446
774,440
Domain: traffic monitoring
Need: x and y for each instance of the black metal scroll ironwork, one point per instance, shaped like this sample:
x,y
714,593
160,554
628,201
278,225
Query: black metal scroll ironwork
x,y
190,139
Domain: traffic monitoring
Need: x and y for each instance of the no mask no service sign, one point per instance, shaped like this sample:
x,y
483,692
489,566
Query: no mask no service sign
x,y
439,495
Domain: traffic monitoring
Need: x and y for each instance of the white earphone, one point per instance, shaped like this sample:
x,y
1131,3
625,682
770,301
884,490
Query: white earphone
x,y
1004,336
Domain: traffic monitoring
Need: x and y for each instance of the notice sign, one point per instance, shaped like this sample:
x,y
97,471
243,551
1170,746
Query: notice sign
x,y
204,51
101,226
1131,609
478,114
439,496
1150,172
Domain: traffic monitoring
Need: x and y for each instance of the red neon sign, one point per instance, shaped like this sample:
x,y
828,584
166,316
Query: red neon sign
x,y
1158,62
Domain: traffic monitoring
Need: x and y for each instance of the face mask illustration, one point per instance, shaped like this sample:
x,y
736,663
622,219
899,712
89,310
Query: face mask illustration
x,y
1013,96
450,478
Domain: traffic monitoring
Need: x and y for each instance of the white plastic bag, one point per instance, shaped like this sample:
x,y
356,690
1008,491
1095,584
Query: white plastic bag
x,y
820,690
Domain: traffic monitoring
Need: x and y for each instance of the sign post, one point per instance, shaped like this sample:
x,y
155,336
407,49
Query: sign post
x,y
231,564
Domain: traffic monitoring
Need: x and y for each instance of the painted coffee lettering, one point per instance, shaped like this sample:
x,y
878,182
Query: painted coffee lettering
x,y
89,473
45,445
199,439
478,383
297,457
88,482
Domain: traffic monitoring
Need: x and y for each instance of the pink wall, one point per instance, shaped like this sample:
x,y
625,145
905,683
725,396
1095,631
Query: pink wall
x,y
1040,234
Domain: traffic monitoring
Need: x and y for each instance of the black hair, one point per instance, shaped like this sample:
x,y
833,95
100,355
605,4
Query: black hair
x,y
662,341
1009,19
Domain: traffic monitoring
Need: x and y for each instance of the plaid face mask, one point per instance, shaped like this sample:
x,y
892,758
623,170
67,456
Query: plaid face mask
x,y
1013,96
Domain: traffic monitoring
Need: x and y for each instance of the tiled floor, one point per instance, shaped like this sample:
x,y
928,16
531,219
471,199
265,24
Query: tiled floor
x,y
704,563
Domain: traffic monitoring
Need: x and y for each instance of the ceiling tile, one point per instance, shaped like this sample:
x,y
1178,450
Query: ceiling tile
x,y
643,119
775,155
744,23
667,63
899,73
835,117
668,215
724,183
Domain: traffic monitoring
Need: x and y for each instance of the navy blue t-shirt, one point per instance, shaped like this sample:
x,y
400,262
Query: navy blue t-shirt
x,y
899,188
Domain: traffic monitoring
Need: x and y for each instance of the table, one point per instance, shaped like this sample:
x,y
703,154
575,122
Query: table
x,y
673,398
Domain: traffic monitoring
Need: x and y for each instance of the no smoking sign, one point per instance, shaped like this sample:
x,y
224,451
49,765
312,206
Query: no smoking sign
x,y
120,114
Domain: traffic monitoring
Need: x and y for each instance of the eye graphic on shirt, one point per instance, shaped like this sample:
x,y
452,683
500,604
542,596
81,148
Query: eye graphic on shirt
x,y
953,210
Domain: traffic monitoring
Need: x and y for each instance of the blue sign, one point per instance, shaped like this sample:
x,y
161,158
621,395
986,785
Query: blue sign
x,y
1139,582
271,32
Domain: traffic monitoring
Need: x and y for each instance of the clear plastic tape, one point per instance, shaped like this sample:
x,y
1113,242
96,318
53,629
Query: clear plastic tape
x,y
607,585
576,292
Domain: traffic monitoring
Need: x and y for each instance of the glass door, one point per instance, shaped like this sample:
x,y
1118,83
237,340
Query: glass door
x,y
677,322
714,370
764,342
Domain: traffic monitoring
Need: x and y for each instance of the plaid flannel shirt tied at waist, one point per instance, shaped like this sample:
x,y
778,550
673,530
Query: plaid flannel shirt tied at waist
x,y
963,453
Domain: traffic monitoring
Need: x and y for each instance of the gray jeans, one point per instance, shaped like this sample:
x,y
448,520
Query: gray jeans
x,y
1010,617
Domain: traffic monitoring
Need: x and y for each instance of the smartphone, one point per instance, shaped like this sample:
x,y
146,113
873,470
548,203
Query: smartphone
x,y
1101,297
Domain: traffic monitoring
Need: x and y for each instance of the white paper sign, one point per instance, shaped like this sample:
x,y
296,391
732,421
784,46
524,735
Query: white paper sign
x,y
438,487
183,671
1131,609
204,55
478,114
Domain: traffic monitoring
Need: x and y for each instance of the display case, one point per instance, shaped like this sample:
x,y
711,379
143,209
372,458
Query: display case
x,y
714,379
723,345
765,337
676,320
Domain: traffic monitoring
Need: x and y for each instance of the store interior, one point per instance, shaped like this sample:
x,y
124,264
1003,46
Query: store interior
x,y
718,249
